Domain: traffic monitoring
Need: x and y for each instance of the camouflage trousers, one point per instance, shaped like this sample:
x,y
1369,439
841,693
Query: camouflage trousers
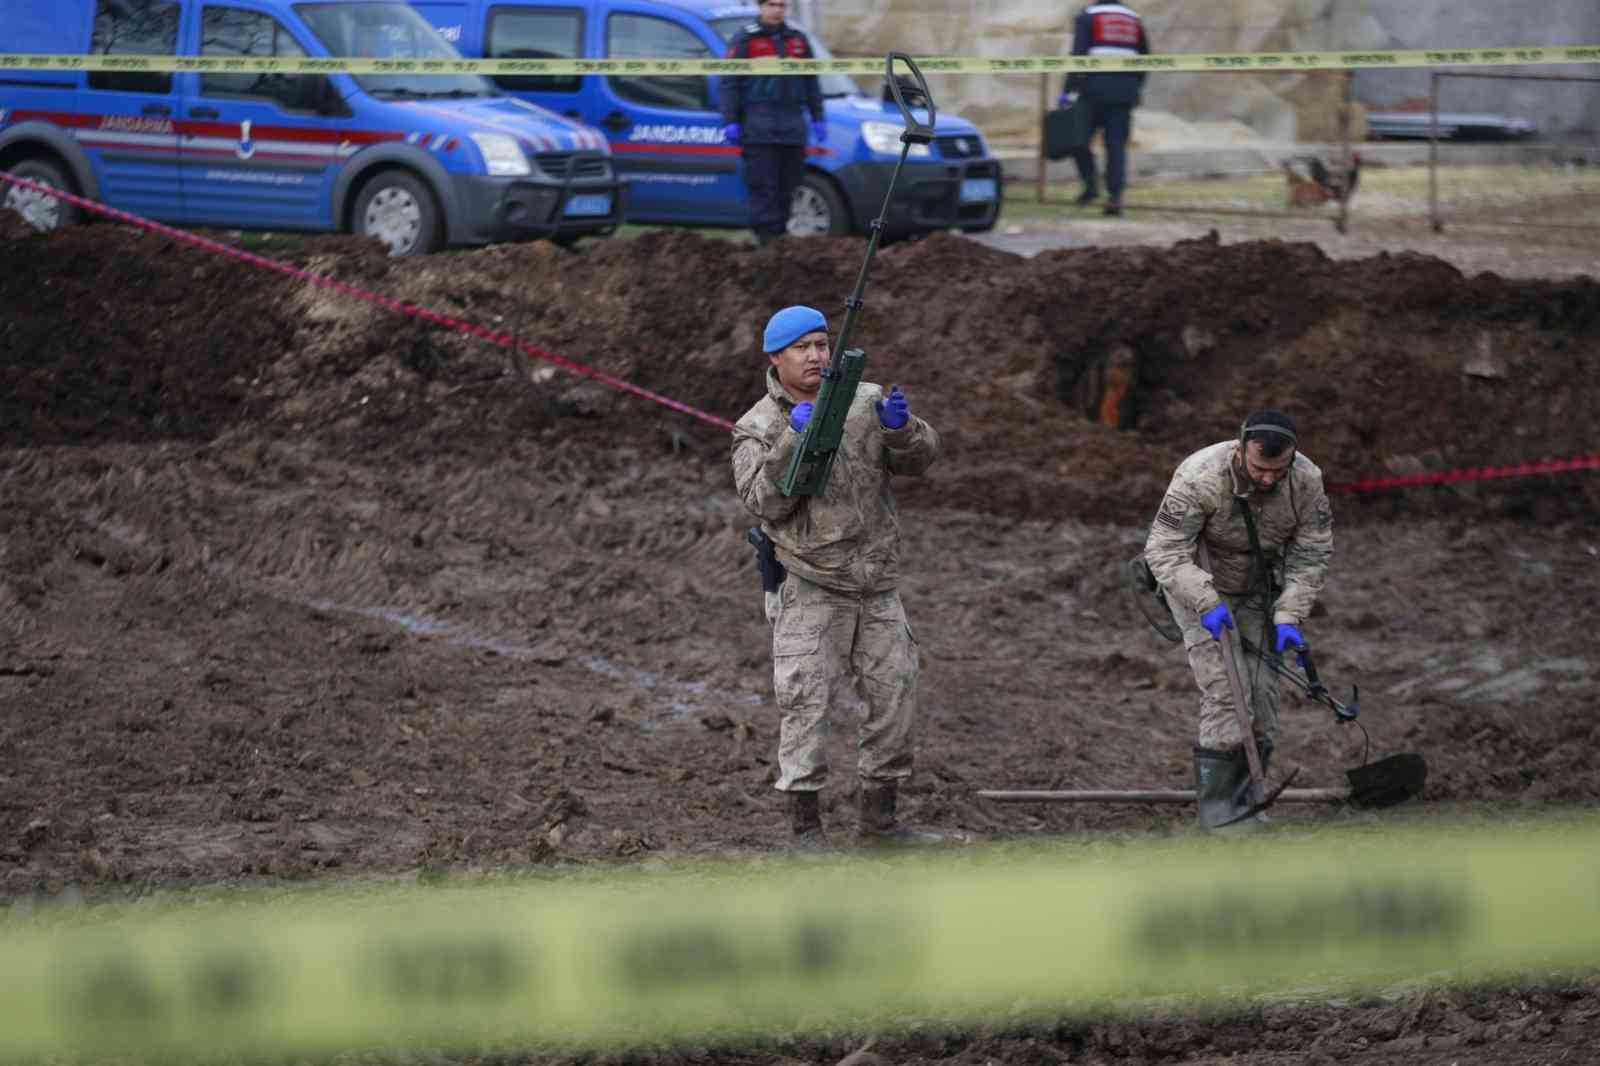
x,y
1219,726
824,643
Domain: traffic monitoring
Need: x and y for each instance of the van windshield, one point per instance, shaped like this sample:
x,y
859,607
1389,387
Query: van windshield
x,y
390,30
832,84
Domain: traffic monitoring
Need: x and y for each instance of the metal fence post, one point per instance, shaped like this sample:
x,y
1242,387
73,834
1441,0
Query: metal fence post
x,y
1044,110
1433,152
1342,222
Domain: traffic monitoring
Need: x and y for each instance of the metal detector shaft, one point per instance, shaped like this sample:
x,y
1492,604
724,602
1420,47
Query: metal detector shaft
x,y
819,443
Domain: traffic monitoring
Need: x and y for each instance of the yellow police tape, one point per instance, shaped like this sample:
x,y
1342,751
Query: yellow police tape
x,y
1186,61
718,953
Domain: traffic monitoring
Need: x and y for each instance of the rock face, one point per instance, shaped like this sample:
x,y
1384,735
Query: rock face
x,y
1290,106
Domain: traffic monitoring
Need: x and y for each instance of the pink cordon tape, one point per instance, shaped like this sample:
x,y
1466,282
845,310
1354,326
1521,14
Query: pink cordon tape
x,y
1470,473
505,340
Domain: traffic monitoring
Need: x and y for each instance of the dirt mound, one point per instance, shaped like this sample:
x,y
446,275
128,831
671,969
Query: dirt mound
x,y
1065,385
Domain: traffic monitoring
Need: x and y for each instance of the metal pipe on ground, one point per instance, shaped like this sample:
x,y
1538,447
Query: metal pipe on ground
x,y
1147,795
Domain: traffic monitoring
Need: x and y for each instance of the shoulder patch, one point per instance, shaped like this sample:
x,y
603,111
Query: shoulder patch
x,y
1172,511
1322,514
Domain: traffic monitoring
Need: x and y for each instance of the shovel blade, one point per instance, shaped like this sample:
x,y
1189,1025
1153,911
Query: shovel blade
x,y
1387,782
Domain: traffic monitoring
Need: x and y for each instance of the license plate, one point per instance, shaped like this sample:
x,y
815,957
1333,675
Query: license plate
x,y
976,189
593,203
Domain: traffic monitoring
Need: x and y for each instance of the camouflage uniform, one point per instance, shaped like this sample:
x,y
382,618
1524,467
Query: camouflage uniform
x,y
1294,524
838,616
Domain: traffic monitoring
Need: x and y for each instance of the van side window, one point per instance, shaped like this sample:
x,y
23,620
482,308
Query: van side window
x,y
647,37
233,32
134,28
532,33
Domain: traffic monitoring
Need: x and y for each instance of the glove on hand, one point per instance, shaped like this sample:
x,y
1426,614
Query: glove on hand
x,y
800,416
733,131
1067,100
1289,637
819,132
1215,619
893,412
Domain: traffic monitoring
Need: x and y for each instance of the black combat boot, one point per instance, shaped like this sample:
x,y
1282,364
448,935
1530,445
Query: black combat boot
x,y
878,824
1113,206
1090,193
805,821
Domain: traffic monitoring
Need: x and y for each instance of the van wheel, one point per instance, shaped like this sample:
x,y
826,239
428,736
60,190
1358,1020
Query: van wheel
x,y
42,211
398,210
817,209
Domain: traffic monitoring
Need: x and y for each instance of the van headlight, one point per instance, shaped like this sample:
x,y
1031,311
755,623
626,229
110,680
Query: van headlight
x,y
502,156
884,138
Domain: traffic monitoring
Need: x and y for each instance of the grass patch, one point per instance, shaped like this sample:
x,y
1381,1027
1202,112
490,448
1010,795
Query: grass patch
x,y
1561,194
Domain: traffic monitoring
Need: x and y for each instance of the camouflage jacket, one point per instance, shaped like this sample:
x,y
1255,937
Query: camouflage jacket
x,y
1294,524
848,538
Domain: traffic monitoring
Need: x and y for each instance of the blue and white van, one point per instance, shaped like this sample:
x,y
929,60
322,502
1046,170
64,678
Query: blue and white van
x,y
418,162
666,132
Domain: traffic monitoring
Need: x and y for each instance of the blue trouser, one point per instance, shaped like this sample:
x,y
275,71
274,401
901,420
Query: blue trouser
x,y
772,172
1115,121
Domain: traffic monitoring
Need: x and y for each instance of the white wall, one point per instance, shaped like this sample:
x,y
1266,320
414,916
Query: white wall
x,y
1557,109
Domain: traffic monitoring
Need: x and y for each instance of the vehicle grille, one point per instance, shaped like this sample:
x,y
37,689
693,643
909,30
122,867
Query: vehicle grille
x,y
577,166
963,146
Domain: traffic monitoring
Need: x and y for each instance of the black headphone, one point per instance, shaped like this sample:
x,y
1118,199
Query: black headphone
x,y
1266,427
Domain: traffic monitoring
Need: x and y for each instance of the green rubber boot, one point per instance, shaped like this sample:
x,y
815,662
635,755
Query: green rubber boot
x,y
1222,787
1221,780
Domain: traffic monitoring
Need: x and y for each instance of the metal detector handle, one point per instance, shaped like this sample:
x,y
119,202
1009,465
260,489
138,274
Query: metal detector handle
x,y
1344,712
915,132
1304,652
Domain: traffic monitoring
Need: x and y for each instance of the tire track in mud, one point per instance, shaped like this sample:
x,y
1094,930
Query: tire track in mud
x,y
438,562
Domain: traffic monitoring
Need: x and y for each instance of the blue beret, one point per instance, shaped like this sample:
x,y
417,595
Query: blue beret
x,y
789,325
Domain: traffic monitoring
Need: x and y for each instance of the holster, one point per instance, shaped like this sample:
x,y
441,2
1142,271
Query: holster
x,y
772,571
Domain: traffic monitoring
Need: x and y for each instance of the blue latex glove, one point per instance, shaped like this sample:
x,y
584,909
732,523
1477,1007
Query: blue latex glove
x,y
1215,619
733,131
1067,99
1289,637
819,132
800,416
893,412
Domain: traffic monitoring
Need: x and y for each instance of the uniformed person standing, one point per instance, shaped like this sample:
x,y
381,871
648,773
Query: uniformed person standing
x,y
1106,30
837,617
769,116
1257,506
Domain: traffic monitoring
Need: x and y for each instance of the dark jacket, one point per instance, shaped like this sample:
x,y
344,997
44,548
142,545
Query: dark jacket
x,y
773,109
1109,30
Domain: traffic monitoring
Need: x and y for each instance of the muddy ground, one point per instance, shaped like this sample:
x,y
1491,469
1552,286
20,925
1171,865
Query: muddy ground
x,y
292,586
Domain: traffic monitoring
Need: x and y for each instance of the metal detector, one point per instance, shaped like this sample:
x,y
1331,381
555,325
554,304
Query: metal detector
x,y
819,443
1371,786
1392,779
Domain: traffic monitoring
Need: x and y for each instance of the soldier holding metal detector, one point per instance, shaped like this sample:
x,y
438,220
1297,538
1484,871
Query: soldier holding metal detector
x,y
813,460
1240,549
